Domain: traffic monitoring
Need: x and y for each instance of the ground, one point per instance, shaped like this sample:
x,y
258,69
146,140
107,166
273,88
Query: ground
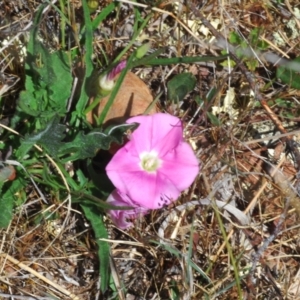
x,y
234,233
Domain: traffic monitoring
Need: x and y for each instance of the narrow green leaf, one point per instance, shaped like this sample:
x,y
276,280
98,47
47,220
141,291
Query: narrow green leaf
x,y
35,29
199,100
179,60
88,38
96,220
145,59
213,119
211,94
7,202
103,14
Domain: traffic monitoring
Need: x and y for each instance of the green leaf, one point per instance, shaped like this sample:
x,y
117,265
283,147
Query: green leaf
x,y
48,80
255,41
234,38
103,14
142,50
174,290
96,220
199,100
290,76
87,145
7,202
252,64
262,45
180,85
254,35
287,115
27,105
227,63
50,138
213,119
285,103
1,186
211,94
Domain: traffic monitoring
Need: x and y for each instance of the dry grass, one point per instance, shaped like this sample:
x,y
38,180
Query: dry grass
x,y
188,250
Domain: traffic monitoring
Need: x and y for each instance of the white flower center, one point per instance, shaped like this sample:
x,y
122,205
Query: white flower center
x,y
149,161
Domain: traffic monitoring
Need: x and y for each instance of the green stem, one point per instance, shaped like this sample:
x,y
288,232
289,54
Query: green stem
x,y
133,40
93,104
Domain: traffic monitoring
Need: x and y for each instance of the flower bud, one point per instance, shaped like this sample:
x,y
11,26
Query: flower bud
x,y
107,80
142,50
93,5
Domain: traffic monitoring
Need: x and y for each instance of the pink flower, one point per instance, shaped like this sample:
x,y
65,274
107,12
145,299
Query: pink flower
x,y
116,70
156,165
123,218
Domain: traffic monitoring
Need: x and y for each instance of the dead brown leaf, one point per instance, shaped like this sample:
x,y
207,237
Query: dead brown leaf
x,y
133,98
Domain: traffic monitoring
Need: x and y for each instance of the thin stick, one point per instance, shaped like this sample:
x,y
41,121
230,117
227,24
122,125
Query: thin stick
x,y
273,137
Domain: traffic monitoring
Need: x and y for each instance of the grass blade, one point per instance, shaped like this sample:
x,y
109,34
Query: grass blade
x,y
92,214
88,35
176,60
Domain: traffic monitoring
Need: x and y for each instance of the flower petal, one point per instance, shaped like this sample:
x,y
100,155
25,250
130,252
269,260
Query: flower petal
x,y
154,131
122,163
150,190
178,171
121,217
181,166
116,70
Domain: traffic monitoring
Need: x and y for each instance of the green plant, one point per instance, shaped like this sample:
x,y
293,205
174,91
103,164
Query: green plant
x,y
288,73
243,46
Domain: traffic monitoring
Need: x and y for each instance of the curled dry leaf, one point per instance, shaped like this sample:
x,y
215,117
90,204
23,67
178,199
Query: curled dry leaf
x,y
132,99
